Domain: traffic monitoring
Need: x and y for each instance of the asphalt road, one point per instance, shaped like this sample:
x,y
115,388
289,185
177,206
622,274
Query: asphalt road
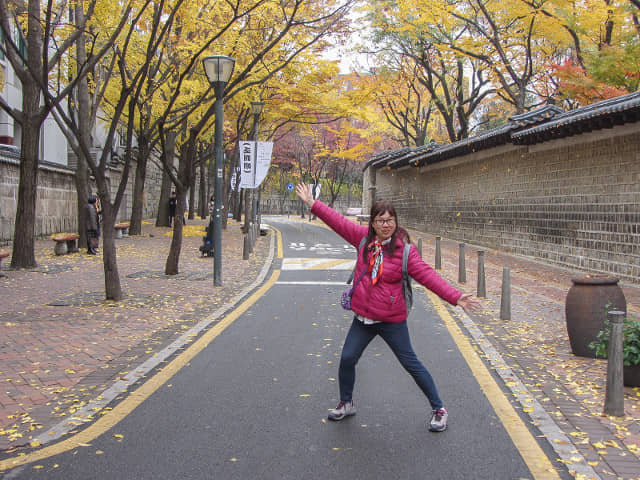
x,y
253,403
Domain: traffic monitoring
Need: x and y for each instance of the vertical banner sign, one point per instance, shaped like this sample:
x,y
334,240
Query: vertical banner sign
x,y
247,165
263,161
255,160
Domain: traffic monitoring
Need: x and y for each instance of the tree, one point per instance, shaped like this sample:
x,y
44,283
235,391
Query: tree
x,y
339,146
130,84
405,103
266,42
416,54
48,38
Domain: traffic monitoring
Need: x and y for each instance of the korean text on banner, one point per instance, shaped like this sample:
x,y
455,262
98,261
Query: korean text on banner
x,y
247,164
255,160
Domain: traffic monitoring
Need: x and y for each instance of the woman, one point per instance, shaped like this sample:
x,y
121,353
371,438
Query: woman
x,y
93,225
378,301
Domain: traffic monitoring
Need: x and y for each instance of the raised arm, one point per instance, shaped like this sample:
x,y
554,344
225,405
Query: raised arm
x,y
344,227
304,192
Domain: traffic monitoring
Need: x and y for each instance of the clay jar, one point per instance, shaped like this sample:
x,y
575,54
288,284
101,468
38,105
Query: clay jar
x,y
586,307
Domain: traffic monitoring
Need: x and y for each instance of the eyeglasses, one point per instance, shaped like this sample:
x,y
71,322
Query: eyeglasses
x,y
385,221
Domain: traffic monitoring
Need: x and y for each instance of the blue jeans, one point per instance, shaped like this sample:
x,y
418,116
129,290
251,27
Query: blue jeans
x,y
396,335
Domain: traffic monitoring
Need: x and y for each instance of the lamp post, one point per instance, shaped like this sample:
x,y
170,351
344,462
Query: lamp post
x,y
256,110
218,69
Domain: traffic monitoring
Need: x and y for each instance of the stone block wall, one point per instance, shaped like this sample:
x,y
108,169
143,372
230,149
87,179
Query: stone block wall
x,y
574,202
56,197
289,204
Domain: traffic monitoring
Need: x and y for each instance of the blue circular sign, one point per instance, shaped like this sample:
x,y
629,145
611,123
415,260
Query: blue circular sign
x,y
290,186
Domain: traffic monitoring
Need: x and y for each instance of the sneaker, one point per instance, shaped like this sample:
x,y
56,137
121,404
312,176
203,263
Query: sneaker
x,y
344,409
438,421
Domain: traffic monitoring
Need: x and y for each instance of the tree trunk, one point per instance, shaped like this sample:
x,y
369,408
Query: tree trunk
x,y
173,259
23,255
248,212
162,220
83,110
185,171
81,179
113,289
237,213
135,223
165,192
203,202
192,200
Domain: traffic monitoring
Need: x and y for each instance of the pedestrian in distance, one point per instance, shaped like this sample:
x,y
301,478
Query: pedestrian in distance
x,y
378,302
93,225
186,209
212,205
173,203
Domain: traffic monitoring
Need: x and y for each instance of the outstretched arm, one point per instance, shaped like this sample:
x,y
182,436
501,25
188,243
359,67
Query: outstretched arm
x,y
467,303
304,192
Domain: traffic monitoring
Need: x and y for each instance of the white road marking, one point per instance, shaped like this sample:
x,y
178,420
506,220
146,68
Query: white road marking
x,y
317,264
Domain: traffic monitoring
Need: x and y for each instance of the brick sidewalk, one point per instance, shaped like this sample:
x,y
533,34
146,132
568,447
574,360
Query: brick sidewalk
x,y
62,343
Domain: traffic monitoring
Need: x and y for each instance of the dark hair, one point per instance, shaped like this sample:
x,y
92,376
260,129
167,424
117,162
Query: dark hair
x,y
379,208
91,199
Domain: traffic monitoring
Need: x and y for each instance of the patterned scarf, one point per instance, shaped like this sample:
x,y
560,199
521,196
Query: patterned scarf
x,y
375,262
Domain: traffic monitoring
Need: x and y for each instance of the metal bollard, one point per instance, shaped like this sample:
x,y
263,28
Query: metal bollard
x,y
482,286
505,298
420,247
462,269
614,396
438,255
245,247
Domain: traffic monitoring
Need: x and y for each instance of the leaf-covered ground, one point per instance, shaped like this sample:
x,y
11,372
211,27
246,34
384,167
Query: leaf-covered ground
x,y
535,345
61,343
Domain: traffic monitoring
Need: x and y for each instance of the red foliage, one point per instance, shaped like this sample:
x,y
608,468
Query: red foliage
x,y
576,84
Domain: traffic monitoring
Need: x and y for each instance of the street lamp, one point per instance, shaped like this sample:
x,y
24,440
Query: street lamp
x,y
256,110
218,69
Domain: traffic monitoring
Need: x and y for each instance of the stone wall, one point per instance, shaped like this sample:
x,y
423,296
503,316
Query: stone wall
x,y
574,202
56,197
289,204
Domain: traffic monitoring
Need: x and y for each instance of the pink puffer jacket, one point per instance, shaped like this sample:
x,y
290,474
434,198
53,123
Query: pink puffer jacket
x,y
384,301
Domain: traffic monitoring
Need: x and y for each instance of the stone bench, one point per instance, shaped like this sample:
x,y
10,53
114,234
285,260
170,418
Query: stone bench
x,y
67,243
122,229
3,255
362,218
